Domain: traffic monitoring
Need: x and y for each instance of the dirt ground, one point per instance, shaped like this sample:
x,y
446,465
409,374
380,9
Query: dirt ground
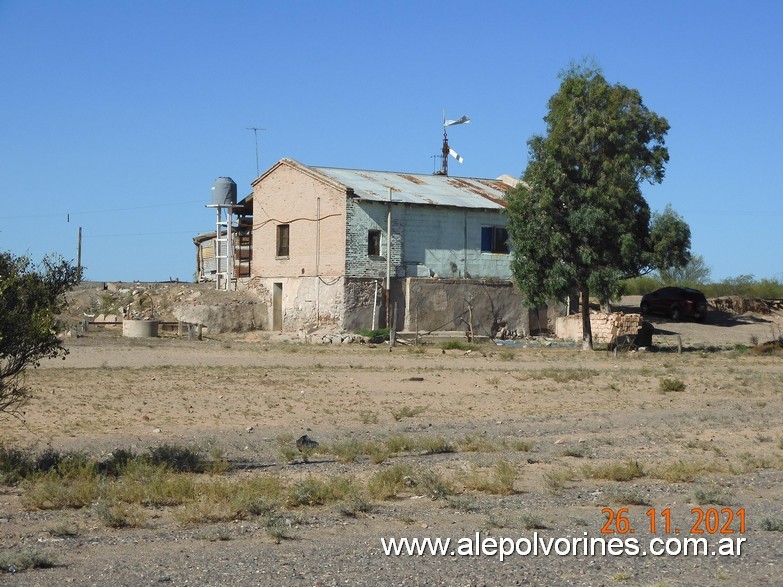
x,y
557,416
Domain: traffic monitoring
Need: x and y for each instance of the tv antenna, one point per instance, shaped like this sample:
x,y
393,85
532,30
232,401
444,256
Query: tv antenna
x,y
255,130
446,150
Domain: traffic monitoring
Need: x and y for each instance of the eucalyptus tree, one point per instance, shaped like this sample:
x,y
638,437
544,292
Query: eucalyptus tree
x,y
578,221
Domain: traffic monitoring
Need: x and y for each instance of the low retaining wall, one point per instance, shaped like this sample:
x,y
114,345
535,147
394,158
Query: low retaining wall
x,y
606,328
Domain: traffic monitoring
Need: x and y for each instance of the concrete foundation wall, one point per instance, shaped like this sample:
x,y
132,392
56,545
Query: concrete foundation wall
x,y
360,294
442,304
307,302
224,317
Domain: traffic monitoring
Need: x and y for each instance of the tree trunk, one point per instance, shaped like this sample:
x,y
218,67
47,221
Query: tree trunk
x,y
573,302
587,331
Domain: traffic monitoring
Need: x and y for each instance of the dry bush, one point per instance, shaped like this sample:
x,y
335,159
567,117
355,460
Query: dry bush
x,y
614,471
499,482
555,481
667,384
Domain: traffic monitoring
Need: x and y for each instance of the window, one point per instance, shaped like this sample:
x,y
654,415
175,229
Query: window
x,y
282,240
494,239
374,243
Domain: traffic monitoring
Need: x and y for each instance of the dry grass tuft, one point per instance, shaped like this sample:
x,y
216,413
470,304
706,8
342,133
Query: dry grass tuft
x,y
499,482
625,471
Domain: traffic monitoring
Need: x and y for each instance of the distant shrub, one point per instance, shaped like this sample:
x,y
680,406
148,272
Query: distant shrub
x,y
457,345
745,285
667,384
375,336
641,285
178,458
741,285
499,482
614,471
716,496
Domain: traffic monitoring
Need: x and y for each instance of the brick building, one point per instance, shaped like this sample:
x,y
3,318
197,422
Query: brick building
x,y
321,249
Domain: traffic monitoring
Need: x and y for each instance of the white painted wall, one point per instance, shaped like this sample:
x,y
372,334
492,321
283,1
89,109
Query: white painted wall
x,y
426,240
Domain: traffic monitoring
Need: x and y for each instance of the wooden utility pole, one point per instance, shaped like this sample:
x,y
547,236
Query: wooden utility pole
x,y
79,252
388,260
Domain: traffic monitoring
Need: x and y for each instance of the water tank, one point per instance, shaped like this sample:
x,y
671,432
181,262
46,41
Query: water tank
x,y
224,192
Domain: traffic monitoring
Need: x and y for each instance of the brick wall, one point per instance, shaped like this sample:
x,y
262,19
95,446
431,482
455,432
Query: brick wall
x,y
605,327
361,217
286,195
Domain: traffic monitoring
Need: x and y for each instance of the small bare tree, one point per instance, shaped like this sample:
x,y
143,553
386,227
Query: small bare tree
x,y
31,297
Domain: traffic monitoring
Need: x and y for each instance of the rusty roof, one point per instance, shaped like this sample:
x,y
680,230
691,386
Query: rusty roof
x,y
412,188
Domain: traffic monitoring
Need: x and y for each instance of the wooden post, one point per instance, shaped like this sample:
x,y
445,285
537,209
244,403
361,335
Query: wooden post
x,y
393,330
416,341
470,323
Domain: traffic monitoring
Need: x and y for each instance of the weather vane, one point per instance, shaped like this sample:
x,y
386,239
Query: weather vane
x,y
446,150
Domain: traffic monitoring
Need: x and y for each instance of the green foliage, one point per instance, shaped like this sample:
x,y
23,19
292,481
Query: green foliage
x,y
499,482
579,221
377,335
437,445
745,285
615,471
670,384
714,495
694,273
772,524
17,465
389,482
312,491
30,299
457,345
177,458
670,242
638,286
24,560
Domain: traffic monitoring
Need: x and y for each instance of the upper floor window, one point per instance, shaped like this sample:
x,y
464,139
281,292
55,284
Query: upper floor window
x,y
373,243
281,249
494,239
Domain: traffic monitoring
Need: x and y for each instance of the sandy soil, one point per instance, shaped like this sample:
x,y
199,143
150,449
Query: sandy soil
x,y
573,411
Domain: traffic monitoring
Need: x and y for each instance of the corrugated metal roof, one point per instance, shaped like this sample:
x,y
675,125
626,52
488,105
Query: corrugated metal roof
x,y
409,188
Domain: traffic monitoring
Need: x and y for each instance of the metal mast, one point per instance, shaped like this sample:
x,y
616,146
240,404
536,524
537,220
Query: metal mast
x,y
255,130
445,153
446,150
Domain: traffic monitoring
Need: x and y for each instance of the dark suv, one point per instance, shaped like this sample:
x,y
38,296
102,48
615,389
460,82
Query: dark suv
x,y
676,302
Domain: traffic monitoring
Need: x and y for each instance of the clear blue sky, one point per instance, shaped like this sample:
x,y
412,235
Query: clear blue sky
x,y
117,116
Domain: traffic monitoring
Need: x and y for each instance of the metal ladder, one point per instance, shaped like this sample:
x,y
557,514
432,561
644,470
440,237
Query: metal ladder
x,y
223,248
